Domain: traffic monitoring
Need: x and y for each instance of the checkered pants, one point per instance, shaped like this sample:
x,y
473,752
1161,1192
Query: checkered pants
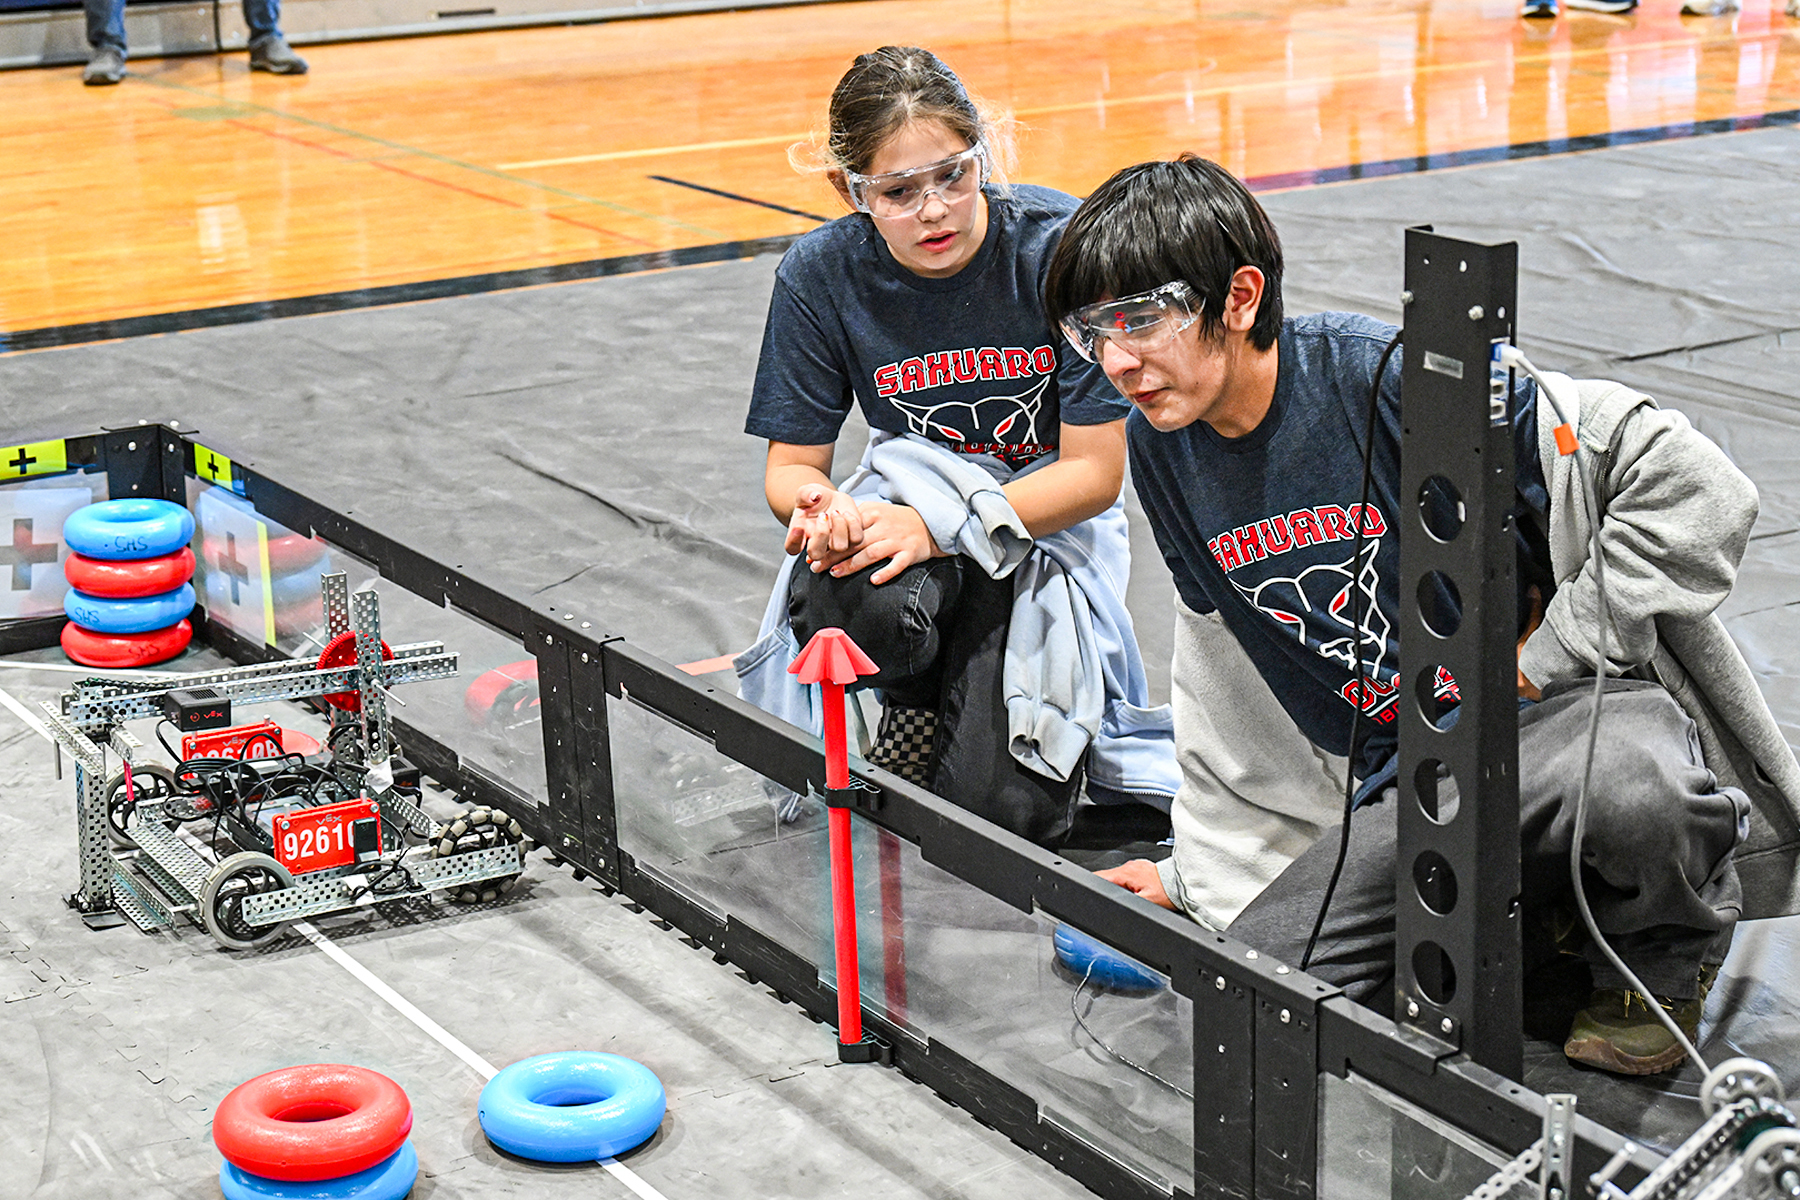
x,y
903,743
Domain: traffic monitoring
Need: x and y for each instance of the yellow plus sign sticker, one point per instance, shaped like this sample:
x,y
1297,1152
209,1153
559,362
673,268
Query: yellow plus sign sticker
x,y
214,467
35,458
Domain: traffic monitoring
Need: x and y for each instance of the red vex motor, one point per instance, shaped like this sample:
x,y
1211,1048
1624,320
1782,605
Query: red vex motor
x,y
332,835
261,740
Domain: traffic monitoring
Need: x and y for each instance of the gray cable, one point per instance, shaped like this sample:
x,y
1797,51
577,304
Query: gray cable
x,y
1590,494
1075,1010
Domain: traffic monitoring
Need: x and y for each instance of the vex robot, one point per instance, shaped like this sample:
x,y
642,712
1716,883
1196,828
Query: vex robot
x,y
245,833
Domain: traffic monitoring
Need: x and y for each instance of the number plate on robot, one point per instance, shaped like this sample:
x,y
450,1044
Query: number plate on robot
x,y
264,738
311,839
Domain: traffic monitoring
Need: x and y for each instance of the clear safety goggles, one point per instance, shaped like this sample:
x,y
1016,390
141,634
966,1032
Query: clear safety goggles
x,y
897,194
1136,324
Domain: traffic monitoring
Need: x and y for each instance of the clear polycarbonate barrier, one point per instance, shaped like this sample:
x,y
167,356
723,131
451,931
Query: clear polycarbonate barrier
x,y
261,580
708,827
938,957
32,512
257,577
1373,1145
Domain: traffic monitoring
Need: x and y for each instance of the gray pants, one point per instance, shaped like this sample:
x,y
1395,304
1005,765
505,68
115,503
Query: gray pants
x,y
1658,871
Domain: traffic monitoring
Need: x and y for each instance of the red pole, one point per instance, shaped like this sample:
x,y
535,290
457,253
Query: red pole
x,y
831,660
843,870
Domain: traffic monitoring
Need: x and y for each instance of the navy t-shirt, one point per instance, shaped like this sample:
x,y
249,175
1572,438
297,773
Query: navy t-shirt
x,y
1262,528
969,361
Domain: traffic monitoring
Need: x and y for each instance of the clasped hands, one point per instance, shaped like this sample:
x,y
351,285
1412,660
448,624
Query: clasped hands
x,y
843,535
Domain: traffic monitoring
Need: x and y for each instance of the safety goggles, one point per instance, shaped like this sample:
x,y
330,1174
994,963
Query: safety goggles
x,y
897,194
1136,324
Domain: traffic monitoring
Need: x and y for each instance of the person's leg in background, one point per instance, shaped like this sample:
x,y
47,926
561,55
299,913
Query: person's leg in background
x,y
106,37
269,51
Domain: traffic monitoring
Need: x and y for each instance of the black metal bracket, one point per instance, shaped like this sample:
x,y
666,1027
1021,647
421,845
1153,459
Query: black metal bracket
x,y
870,1050
859,797
1457,969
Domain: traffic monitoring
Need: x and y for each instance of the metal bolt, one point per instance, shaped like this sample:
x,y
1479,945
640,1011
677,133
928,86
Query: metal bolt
x,y
1286,1016
1447,1025
1475,314
131,445
1250,954
1406,297
1221,1047
1412,1008
1219,983
567,840
1281,970
584,656
568,616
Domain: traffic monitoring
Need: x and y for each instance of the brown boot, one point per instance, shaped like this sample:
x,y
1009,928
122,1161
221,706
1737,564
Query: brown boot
x,y
1619,1032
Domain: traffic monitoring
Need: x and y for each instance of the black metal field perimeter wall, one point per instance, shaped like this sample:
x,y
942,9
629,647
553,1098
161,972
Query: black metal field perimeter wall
x,y
1267,1039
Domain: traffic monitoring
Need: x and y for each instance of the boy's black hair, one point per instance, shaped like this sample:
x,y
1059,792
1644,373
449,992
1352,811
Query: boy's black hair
x,y
1158,222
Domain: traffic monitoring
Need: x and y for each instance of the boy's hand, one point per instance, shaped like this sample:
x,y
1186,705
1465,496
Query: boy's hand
x,y
1141,878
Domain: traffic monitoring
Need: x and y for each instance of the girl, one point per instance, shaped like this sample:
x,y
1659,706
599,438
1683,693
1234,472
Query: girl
x,y
979,553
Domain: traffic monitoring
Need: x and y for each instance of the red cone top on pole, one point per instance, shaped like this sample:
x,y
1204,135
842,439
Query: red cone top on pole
x,y
831,657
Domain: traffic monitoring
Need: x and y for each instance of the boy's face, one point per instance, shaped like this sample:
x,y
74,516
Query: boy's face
x,y
1174,385
1205,372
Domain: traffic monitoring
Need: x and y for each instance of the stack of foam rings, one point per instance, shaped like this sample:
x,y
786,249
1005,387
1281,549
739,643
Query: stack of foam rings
x,y
129,595
320,1132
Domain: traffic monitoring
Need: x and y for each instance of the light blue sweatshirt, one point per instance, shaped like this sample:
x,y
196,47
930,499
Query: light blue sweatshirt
x,y
1074,682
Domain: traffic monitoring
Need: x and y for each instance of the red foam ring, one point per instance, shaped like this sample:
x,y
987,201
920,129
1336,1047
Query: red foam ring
x,y
120,651
291,552
129,579
488,687
304,1124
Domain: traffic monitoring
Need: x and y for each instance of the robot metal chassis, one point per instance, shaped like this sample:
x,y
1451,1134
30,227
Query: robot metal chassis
x,y
247,898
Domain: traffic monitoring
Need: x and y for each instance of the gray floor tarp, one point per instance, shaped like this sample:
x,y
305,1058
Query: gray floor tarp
x,y
583,443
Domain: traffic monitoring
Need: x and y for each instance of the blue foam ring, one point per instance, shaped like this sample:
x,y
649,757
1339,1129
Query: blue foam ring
x,y
128,529
390,1179
1103,966
572,1106
104,615
300,587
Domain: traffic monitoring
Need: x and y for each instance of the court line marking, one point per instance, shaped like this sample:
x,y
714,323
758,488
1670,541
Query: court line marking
x,y
249,107
1103,102
713,191
24,714
443,1037
400,1004
688,148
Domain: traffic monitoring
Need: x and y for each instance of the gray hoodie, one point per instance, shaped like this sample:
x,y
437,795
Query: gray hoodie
x,y
1676,516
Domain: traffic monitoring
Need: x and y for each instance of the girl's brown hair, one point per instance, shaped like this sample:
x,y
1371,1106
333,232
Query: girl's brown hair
x,y
884,91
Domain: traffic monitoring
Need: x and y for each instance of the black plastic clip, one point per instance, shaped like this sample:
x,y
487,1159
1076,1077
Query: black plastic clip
x,y
870,1049
859,795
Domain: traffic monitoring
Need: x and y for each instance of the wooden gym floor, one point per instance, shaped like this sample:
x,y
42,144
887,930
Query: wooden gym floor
x,y
196,185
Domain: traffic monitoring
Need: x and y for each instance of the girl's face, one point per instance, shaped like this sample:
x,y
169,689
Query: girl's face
x,y
938,240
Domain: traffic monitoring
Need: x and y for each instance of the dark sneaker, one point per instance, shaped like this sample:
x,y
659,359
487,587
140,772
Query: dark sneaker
x,y
107,66
1538,8
1617,8
274,55
1618,1032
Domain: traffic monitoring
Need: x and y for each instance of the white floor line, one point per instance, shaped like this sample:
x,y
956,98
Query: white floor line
x,y
25,714
400,1004
618,1170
